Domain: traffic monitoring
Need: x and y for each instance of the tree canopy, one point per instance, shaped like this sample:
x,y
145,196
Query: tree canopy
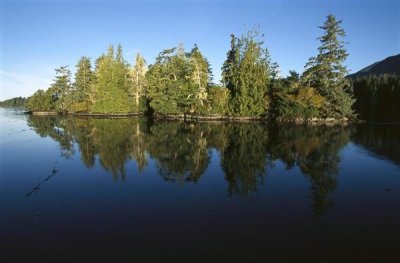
x,y
181,83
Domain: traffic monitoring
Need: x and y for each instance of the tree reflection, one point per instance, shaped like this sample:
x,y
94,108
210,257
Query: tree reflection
x,y
182,151
381,140
315,150
55,128
244,158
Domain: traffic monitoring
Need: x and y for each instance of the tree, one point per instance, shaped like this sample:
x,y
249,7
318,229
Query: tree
x,y
327,74
39,101
200,73
84,78
293,100
178,81
111,89
61,90
247,73
138,80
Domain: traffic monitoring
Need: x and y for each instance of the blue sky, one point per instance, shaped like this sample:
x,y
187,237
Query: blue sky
x,y
37,36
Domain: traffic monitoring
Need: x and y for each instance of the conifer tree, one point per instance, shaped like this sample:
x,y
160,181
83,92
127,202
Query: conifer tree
x,y
178,81
327,74
247,73
111,89
84,79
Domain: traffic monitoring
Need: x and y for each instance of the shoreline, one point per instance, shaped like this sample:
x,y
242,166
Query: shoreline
x,y
216,118
204,118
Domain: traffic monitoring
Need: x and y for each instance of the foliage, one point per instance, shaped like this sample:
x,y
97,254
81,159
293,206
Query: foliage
x,y
178,81
84,79
246,73
111,90
326,72
40,101
377,97
218,100
13,102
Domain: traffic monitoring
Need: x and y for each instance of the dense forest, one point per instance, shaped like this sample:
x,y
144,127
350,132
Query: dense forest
x,y
180,82
377,97
13,103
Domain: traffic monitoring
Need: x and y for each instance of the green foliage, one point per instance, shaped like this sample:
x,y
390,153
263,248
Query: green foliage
x,y
84,79
40,101
326,72
218,99
293,100
13,103
177,81
247,73
111,89
180,83
61,90
377,97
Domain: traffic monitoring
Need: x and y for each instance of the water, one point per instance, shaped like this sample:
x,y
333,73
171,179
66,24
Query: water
x,y
133,190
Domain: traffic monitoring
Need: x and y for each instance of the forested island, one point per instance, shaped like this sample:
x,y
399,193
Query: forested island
x,y
180,85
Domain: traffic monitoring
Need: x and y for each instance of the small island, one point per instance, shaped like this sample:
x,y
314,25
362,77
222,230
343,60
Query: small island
x,y
179,85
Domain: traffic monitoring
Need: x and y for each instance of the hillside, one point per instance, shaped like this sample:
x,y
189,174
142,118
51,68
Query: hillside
x,y
390,65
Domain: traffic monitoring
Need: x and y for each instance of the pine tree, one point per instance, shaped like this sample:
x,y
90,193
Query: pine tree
x,y
327,74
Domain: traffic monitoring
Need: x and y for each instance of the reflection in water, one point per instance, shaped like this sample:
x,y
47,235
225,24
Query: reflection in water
x,y
383,141
244,158
315,150
182,151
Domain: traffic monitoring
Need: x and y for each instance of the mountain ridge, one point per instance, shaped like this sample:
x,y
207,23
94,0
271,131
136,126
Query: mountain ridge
x,y
389,65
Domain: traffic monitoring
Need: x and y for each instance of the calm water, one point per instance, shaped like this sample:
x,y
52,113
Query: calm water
x,y
132,190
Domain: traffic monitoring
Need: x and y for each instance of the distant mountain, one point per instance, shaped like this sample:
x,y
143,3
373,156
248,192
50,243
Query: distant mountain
x,y
390,65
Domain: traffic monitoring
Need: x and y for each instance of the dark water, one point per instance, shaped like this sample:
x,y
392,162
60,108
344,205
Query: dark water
x,y
131,190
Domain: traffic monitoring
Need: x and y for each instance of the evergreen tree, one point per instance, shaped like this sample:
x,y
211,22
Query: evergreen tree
x,y
177,81
111,89
247,73
39,101
61,89
84,79
326,72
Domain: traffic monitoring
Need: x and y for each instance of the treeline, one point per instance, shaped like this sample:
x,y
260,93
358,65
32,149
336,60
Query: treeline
x,y
13,103
377,97
180,82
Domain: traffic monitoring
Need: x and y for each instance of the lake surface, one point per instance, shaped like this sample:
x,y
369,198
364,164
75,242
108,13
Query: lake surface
x,y
135,190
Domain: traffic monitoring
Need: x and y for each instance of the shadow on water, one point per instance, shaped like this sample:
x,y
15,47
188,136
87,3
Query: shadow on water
x,y
182,151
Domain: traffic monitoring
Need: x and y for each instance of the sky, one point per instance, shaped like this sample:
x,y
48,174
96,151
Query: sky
x,y
37,36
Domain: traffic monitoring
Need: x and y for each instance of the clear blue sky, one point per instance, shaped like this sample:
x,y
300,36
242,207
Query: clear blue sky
x,y
38,36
